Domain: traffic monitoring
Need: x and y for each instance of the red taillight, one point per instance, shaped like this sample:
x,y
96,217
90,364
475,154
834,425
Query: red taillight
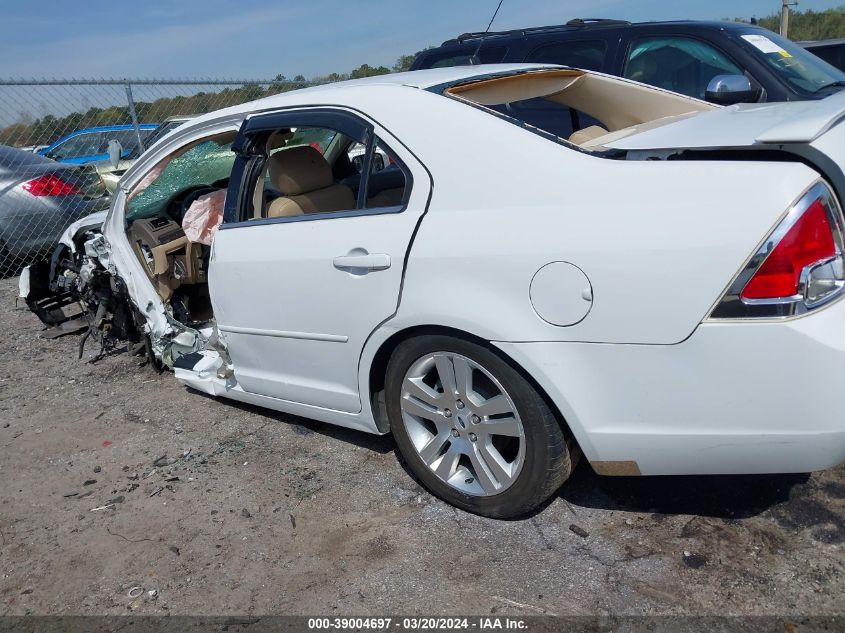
x,y
808,241
49,185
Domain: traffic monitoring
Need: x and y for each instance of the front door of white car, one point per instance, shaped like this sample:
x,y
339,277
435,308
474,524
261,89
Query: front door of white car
x,y
296,297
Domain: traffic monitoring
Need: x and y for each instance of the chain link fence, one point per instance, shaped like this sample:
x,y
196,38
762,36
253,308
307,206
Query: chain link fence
x,y
57,137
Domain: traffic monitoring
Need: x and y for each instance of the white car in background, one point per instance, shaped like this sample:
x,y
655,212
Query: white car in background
x,y
658,287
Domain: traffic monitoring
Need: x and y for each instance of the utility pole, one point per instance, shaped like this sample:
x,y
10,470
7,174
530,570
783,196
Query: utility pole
x,y
784,17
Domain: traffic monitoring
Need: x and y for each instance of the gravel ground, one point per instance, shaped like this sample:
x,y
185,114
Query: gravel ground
x,y
113,476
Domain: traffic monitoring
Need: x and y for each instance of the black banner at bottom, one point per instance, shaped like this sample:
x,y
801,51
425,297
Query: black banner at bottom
x,y
401,624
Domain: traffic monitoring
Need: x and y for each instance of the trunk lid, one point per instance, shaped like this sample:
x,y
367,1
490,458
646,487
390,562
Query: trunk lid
x,y
760,125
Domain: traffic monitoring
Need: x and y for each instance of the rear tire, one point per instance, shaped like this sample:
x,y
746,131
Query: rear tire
x,y
473,430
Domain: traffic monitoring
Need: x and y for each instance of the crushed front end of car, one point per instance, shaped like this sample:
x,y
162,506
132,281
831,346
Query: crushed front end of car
x,y
75,291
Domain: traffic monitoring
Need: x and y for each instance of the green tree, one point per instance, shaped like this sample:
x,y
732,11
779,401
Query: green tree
x,y
365,70
403,63
48,128
808,25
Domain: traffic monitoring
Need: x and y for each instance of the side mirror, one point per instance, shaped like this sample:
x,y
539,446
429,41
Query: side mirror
x,y
730,89
115,152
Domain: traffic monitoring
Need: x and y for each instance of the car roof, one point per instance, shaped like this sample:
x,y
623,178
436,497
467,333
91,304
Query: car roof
x,y
113,128
427,78
102,128
582,25
421,79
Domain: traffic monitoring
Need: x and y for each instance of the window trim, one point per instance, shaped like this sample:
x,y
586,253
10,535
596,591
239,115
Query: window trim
x,y
250,159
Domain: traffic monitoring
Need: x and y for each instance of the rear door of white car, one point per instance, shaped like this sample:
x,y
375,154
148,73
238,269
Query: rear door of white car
x,y
296,297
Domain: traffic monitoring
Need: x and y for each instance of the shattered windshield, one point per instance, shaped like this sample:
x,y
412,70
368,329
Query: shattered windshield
x,y
802,70
202,164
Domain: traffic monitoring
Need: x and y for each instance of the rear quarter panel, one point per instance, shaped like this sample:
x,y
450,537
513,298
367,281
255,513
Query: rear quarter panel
x,y
658,240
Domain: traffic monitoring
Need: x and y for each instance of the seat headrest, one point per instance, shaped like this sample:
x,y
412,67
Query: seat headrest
x,y
298,170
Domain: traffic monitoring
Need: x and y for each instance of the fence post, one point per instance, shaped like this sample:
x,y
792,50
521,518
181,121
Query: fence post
x,y
134,116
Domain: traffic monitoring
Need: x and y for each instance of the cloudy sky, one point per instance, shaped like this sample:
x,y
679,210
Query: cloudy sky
x,y
252,39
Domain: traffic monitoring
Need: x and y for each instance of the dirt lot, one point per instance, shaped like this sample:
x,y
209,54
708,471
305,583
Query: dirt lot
x,y
228,509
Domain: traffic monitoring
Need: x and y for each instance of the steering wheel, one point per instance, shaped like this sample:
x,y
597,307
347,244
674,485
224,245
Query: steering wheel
x,y
181,202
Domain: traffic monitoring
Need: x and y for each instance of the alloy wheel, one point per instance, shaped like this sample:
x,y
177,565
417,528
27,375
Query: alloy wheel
x,y
462,423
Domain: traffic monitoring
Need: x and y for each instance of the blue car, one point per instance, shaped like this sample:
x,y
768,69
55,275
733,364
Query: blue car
x,y
91,144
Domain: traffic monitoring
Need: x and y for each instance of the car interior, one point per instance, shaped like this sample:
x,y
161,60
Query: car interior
x,y
306,171
580,108
323,176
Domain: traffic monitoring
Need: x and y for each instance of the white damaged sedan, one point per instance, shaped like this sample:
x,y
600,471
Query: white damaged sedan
x,y
552,262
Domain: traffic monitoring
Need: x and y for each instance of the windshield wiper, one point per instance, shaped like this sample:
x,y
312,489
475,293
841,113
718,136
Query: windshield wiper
x,y
832,84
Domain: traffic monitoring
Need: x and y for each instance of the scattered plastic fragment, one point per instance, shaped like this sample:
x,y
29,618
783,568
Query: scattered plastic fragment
x,y
576,529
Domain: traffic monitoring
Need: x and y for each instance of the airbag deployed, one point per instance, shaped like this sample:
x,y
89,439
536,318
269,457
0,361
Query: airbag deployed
x,y
204,216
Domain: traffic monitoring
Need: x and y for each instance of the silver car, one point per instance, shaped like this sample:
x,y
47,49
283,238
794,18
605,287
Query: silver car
x,y
39,199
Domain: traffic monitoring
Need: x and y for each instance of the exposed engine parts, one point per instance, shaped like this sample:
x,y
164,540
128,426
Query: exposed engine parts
x,y
74,292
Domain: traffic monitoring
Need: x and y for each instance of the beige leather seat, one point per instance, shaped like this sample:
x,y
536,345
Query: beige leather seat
x,y
305,178
587,134
387,198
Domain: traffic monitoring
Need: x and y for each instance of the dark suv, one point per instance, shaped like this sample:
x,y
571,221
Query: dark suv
x,y
723,62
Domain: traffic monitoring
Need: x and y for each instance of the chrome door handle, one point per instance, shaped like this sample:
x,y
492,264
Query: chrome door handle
x,y
368,261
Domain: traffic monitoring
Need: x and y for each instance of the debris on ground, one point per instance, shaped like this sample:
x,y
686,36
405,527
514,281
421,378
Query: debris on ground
x,y
576,529
694,561
162,461
765,544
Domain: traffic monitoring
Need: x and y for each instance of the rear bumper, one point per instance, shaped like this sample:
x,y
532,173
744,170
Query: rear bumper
x,y
738,397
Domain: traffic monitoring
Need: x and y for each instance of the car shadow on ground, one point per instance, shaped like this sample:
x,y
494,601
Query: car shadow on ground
x,y
721,496
305,426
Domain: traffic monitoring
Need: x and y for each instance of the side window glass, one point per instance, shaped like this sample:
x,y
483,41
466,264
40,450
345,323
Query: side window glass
x,y
62,150
93,144
300,174
128,139
680,64
102,142
487,55
387,181
204,165
587,55
79,145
